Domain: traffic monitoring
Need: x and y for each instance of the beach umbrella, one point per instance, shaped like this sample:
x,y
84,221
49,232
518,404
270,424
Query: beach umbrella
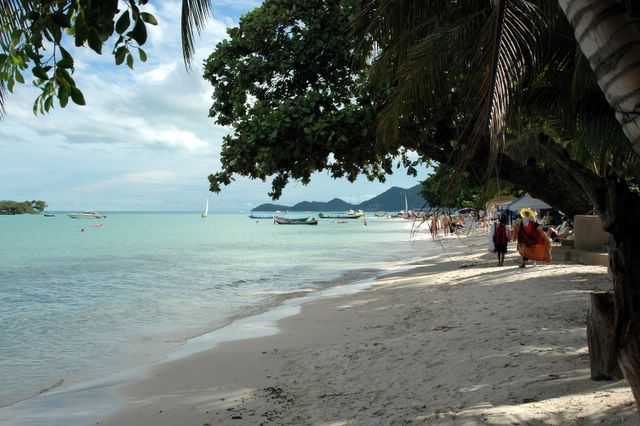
x,y
527,201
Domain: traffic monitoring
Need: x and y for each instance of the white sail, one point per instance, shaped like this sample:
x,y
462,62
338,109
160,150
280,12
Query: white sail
x,y
206,208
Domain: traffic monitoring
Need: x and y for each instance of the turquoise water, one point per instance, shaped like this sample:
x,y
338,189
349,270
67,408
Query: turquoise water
x,y
78,305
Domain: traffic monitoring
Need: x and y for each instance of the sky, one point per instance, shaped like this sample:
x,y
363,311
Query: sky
x,y
144,141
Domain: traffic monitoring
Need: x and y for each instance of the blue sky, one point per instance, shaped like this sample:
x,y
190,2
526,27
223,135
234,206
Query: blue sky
x,y
144,140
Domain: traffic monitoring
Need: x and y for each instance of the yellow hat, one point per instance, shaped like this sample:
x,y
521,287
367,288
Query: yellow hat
x,y
530,211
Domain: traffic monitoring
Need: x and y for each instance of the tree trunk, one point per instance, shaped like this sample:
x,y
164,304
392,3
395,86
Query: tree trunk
x,y
610,40
601,337
624,252
617,208
549,184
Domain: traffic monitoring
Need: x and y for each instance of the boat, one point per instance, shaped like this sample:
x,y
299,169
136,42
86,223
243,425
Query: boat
x,y
206,208
299,221
351,214
258,216
47,214
87,214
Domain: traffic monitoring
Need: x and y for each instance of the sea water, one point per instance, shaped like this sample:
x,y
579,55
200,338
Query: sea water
x,y
83,299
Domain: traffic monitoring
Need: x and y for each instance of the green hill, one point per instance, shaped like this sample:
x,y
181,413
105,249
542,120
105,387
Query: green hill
x,y
392,200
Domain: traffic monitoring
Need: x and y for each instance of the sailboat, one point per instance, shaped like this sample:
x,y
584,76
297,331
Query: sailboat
x,y
406,214
206,208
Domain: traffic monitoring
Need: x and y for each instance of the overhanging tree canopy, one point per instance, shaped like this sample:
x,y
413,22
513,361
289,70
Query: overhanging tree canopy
x,y
33,34
284,82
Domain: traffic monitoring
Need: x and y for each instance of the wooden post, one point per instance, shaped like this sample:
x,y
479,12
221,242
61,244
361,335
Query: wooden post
x,y
600,337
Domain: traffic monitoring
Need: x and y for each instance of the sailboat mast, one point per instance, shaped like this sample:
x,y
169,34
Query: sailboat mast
x,y
206,208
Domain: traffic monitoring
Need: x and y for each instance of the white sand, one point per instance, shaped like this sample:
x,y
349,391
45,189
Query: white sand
x,y
455,340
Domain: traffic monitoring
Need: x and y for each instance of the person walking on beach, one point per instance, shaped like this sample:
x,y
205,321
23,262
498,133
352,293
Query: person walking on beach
x,y
533,242
434,226
446,224
501,237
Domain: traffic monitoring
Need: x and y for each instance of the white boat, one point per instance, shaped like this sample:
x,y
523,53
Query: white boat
x,y
206,208
87,214
355,214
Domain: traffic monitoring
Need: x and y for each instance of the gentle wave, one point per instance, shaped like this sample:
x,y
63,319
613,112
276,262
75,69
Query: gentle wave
x,y
77,305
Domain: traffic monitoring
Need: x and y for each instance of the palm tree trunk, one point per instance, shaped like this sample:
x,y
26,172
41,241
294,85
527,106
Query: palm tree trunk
x,y
610,40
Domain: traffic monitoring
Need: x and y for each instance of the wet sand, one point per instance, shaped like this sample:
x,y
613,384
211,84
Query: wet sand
x,y
455,339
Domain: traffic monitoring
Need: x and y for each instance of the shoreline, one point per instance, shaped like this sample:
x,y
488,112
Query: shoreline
x,y
52,406
452,339
253,380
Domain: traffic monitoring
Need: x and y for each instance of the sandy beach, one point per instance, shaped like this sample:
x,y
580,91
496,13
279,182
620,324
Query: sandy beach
x,y
454,339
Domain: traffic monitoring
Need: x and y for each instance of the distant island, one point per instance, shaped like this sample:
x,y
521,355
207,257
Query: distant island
x,y
21,207
392,200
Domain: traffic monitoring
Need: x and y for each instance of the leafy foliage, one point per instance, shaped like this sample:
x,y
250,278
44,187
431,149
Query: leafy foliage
x,y
468,192
427,49
33,34
36,33
285,83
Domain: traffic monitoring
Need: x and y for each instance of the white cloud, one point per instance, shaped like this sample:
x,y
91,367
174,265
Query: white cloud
x,y
144,140
146,179
173,138
158,74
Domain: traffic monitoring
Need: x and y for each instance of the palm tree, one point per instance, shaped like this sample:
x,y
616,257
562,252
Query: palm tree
x,y
610,40
487,53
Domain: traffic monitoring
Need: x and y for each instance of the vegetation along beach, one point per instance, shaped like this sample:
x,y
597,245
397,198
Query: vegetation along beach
x,y
471,171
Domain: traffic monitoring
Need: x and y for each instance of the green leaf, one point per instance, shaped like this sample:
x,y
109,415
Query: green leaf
x,y
94,41
63,95
81,30
15,38
135,12
143,55
123,22
39,73
61,19
48,103
63,75
64,53
56,32
65,62
19,77
16,59
139,32
10,83
149,18
130,60
76,96
121,54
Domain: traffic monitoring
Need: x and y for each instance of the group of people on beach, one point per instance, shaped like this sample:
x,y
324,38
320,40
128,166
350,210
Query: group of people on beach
x,y
532,242
449,225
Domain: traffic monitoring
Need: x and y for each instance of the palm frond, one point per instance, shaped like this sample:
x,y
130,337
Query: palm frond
x,y
426,73
11,13
508,54
195,14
